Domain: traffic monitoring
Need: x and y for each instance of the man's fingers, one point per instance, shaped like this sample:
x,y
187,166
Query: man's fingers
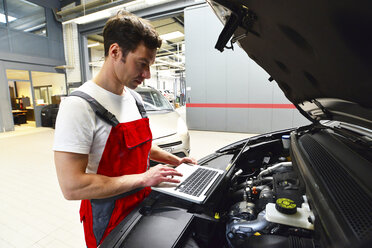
x,y
174,173
189,160
166,174
171,173
171,180
168,171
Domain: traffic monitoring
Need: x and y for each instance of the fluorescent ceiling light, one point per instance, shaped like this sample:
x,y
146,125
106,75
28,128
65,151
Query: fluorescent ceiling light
x,y
37,27
29,3
94,44
91,17
103,14
172,36
2,18
153,1
10,18
174,64
158,64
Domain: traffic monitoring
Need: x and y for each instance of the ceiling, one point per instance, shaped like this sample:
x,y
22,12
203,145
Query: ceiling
x,y
26,16
170,56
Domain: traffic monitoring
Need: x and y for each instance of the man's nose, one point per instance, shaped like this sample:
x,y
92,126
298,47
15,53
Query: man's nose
x,y
146,73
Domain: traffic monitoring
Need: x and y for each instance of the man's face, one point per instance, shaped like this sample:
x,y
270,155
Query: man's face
x,y
132,70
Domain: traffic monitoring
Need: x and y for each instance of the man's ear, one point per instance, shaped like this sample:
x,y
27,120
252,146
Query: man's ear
x,y
114,51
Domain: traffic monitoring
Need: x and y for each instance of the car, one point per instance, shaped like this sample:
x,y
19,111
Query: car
x,y
307,186
169,130
168,95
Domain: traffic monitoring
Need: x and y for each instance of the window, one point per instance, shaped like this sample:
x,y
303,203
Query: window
x,y
26,16
2,14
43,94
154,101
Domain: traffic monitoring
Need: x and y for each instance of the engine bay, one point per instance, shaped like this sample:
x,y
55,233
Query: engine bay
x,y
262,201
265,201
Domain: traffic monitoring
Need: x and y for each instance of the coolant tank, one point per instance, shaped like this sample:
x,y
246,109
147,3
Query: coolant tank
x,y
299,219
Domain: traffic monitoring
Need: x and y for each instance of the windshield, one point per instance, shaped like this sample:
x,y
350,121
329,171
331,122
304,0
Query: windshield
x,y
154,101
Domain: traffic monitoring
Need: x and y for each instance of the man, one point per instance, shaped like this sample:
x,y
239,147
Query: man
x,y
103,159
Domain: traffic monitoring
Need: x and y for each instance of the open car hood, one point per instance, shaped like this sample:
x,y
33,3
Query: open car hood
x,y
318,52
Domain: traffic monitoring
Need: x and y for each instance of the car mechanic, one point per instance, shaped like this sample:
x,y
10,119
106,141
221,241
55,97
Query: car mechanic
x,y
104,161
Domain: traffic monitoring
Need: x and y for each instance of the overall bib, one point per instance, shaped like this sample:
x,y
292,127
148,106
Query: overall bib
x,y
126,152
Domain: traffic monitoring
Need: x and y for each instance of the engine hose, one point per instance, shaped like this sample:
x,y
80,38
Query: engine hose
x,y
265,192
263,180
255,182
273,168
235,229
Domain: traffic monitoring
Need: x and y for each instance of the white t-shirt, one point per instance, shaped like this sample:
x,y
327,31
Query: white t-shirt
x,y
79,130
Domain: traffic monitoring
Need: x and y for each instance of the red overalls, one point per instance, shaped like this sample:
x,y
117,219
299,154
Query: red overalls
x,y
126,152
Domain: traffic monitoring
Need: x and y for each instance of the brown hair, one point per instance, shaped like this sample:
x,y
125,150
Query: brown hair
x,y
129,31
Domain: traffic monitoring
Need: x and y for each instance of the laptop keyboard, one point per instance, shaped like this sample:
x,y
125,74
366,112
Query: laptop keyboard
x,y
196,182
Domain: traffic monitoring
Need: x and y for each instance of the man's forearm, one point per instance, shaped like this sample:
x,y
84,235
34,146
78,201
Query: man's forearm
x,y
95,186
159,155
76,184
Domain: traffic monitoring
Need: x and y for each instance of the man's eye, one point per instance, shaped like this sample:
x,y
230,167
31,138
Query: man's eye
x,y
142,65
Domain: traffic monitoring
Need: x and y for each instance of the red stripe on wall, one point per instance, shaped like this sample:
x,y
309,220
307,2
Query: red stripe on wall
x,y
240,105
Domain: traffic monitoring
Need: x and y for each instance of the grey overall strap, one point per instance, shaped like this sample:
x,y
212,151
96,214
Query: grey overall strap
x,y
98,109
139,104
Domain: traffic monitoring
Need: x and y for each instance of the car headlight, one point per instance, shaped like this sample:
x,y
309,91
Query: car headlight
x,y
181,126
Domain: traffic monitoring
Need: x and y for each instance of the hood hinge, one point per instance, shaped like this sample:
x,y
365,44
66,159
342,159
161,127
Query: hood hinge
x,y
323,109
244,18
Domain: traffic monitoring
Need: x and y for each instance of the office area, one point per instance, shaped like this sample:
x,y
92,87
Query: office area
x,y
31,91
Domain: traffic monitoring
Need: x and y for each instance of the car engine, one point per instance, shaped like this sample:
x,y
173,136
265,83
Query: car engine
x,y
264,201
269,209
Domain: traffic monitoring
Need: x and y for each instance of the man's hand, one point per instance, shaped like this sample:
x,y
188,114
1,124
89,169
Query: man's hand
x,y
188,160
158,154
159,174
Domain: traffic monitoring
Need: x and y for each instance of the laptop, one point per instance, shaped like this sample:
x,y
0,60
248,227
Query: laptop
x,y
194,184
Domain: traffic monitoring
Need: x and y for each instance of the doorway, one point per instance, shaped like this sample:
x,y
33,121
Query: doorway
x,y
30,92
21,98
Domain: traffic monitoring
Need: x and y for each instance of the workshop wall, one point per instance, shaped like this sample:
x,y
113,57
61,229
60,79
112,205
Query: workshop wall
x,y
226,91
